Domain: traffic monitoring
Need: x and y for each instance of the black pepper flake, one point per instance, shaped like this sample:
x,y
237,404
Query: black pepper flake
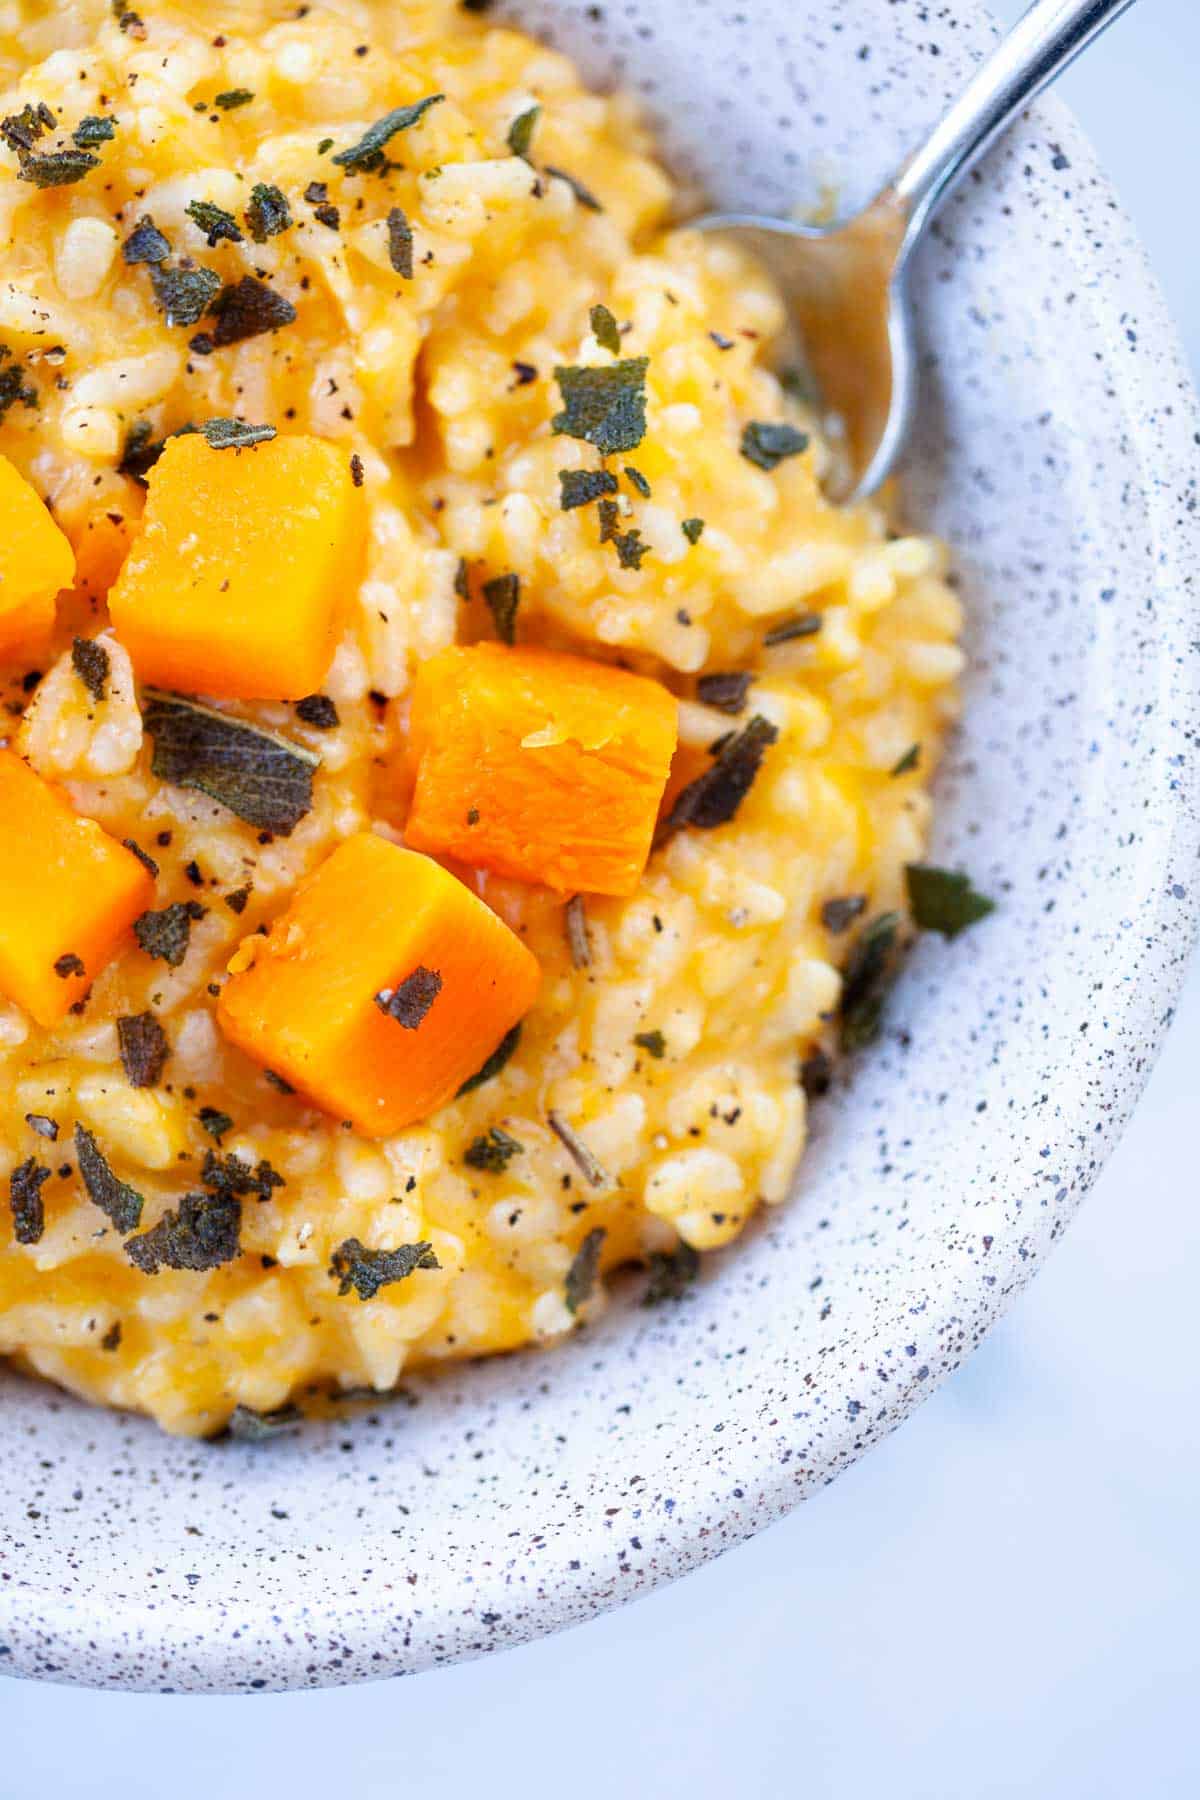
x,y
908,762
368,153
94,130
265,779
194,872
267,213
248,308
816,1075
604,406
671,1274
579,487
503,596
525,373
232,1175
494,1063
43,1125
492,1152
591,1170
692,530
605,329
250,1427
584,195
119,1202
214,1121
357,473
319,711
865,982
67,965
166,933
147,862
112,1337
216,224
400,243
585,1266
766,444
802,625
203,1232
714,797
944,899
144,1049
90,662
366,1271
652,1042
839,915
146,243
410,1001
25,1198
726,692
184,292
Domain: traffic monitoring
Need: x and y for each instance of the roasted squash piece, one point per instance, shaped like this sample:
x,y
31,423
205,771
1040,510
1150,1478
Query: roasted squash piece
x,y
383,987
232,586
545,767
68,894
36,563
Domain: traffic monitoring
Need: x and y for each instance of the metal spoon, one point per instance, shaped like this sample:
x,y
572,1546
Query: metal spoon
x,y
848,285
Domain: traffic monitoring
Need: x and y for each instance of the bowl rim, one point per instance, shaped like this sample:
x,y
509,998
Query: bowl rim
x,y
94,1650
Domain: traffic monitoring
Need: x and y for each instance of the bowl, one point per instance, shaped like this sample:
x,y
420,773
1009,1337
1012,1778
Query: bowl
x,y
1056,452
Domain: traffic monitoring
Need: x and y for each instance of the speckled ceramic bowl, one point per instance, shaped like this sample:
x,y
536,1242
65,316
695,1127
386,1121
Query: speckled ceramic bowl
x,y
1058,454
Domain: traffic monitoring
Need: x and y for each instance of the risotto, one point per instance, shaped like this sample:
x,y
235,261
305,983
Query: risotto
x,y
463,781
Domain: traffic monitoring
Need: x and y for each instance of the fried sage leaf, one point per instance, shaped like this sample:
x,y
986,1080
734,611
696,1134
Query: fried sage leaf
x,y
268,212
202,1233
25,1198
144,1049
248,308
579,487
251,1427
410,1000
503,597
368,153
116,1199
214,222
167,932
585,1266
671,1273
265,779
493,1151
90,662
714,797
146,243
767,444
400,242
727,692
866,980
520,132
235,434
366,1271
605,329
183,293
494,1063
604,406
943,899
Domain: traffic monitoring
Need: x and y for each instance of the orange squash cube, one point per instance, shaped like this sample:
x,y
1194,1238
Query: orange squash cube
x,y
232,586
542,766
36,563
68,894
384,986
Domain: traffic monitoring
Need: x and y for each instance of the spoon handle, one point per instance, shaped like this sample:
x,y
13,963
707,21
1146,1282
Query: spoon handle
x,y
1038,48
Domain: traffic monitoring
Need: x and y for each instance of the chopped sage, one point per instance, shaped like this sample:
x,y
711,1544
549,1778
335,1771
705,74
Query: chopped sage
x,y
943,899
214,1121
692,530
584,195
268,212
166,934
605,329
248,308
410,1001
368,153
714,797
118,1201
520,132
366,1271
400,242
495,1062
183,292
146,243
492,1152
203,1232
767,444
94,130
908,762
144,1049
652,1042
604,406
726,692
865,981
579,487
90,662
235,434
25,1198
801,625
671,1273
265,779
503,596
55,168
214,222
839,915
233,97
250,1427
637,481
585,1266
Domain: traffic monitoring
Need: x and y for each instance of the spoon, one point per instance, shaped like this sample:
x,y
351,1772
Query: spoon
x,y
848,285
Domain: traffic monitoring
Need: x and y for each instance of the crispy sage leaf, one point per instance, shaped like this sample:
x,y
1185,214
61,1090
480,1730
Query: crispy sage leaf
x,y
366,1271
520,132
368,153
714,797
943,899
908,762
55,168
604,406
214,222
493,1151
25,1198
251,1427
265,779
800,625
202,1233
248,308
727,692
90,662
116,1199
605,329
865,981
503,596
412,998
579,487
146,243
235,434
268,212
767,444
494,1063
671,1272
144,1049
400,242
585,1265
167,932
94,130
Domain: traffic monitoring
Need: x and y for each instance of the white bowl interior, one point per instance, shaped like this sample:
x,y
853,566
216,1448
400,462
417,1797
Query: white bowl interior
x,y
520,1495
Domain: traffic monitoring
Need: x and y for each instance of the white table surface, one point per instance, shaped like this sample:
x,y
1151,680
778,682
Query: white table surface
x,y
1001,1599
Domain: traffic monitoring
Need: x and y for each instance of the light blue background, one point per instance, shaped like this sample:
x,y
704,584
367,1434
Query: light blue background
x,y
1003,1598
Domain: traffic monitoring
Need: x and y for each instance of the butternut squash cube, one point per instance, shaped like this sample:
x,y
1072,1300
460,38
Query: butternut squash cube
x,y
384,986
68,894
36,563
542,766
232,586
